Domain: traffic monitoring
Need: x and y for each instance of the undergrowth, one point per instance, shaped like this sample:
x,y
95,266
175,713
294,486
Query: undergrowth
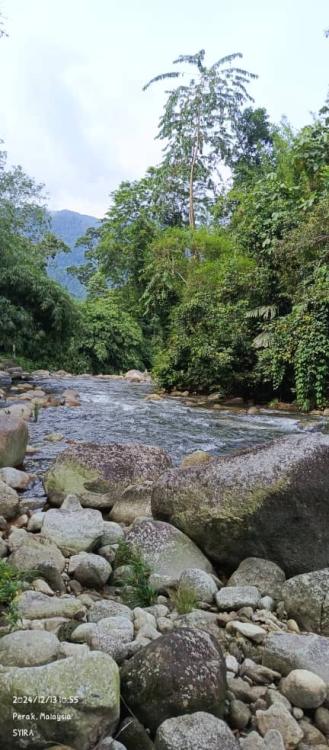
x,y
136,590
11,583
184,600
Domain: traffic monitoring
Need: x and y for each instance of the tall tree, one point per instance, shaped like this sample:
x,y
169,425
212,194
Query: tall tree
x,y
200,121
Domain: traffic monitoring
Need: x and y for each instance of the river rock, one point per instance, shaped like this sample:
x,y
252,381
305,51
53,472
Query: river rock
x,y
112,635
196,458
92,679
135,502
136,376
28,648
18,480
199,583
73,528
13,440
284,652
98,474
198,731
33,605
108,608
264,574
235,597
183,671
306,599
270,501
279,718
166,550
304,689
9,501
35,553
112,533
91,570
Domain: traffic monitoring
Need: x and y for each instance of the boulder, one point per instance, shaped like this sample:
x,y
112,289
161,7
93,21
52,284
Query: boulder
x,y
278,717
73,528
198,731
166,550
98,474
88,687
135,502
183,671
32,605
112,533
18,480
236,597
304,689
199,583
306,599
91,570
285,652
136,376
112,635
271,501
13,440
105,608
133,735
264,574
28,648
9,501
35,553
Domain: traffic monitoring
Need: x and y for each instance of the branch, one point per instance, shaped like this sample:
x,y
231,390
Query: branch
x,y
161,77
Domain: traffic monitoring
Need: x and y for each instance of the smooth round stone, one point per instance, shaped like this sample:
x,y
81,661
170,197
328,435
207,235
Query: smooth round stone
x,y
304,689
199,583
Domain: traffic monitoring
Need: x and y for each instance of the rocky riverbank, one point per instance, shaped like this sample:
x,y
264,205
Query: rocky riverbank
x,y
161,607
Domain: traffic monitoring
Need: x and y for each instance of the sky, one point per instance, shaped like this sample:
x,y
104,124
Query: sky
x,y
72,109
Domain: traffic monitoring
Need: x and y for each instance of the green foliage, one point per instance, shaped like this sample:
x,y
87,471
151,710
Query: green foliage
x,y
136,591
11,583
184,601
109,339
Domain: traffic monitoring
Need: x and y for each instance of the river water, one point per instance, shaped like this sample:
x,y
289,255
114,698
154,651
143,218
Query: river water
x,y
116,411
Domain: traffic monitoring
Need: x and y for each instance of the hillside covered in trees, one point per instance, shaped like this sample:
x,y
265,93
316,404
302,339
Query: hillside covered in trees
x,y
212,283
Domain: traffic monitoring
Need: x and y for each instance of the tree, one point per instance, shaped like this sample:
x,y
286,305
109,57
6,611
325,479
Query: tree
x,y
200,121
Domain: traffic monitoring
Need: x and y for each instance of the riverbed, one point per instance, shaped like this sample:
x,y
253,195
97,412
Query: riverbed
x,y
116,411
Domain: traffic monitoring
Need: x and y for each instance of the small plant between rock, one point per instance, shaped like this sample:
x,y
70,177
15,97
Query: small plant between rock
x,y
184,600
11,583
136,590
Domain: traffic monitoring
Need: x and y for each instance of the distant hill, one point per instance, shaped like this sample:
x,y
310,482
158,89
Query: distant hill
x,y
69,226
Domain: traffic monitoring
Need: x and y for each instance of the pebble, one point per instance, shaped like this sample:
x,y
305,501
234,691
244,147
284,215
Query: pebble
x,y
277,717
253,632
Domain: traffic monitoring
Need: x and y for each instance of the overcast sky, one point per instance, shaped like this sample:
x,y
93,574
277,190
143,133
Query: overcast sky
x,y
73,112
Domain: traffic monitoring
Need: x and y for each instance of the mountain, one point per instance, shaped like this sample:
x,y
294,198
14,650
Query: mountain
x,y
69,226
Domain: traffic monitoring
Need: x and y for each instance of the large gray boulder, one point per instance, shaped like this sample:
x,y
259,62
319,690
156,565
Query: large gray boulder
x,y
306,599
73,528
198,731
88,687
167,550
178,673
284,652
271,501
135,502
98,474
13,440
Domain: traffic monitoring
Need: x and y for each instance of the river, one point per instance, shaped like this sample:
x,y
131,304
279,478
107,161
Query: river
x,y
116,411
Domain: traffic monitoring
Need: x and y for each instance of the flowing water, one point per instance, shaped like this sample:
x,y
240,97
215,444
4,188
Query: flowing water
x,y
116,411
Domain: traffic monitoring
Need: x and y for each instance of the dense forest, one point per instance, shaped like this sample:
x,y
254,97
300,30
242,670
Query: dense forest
x,y
211,270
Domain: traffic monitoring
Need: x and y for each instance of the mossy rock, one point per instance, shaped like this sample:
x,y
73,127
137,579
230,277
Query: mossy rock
x,y
98,474
271,501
